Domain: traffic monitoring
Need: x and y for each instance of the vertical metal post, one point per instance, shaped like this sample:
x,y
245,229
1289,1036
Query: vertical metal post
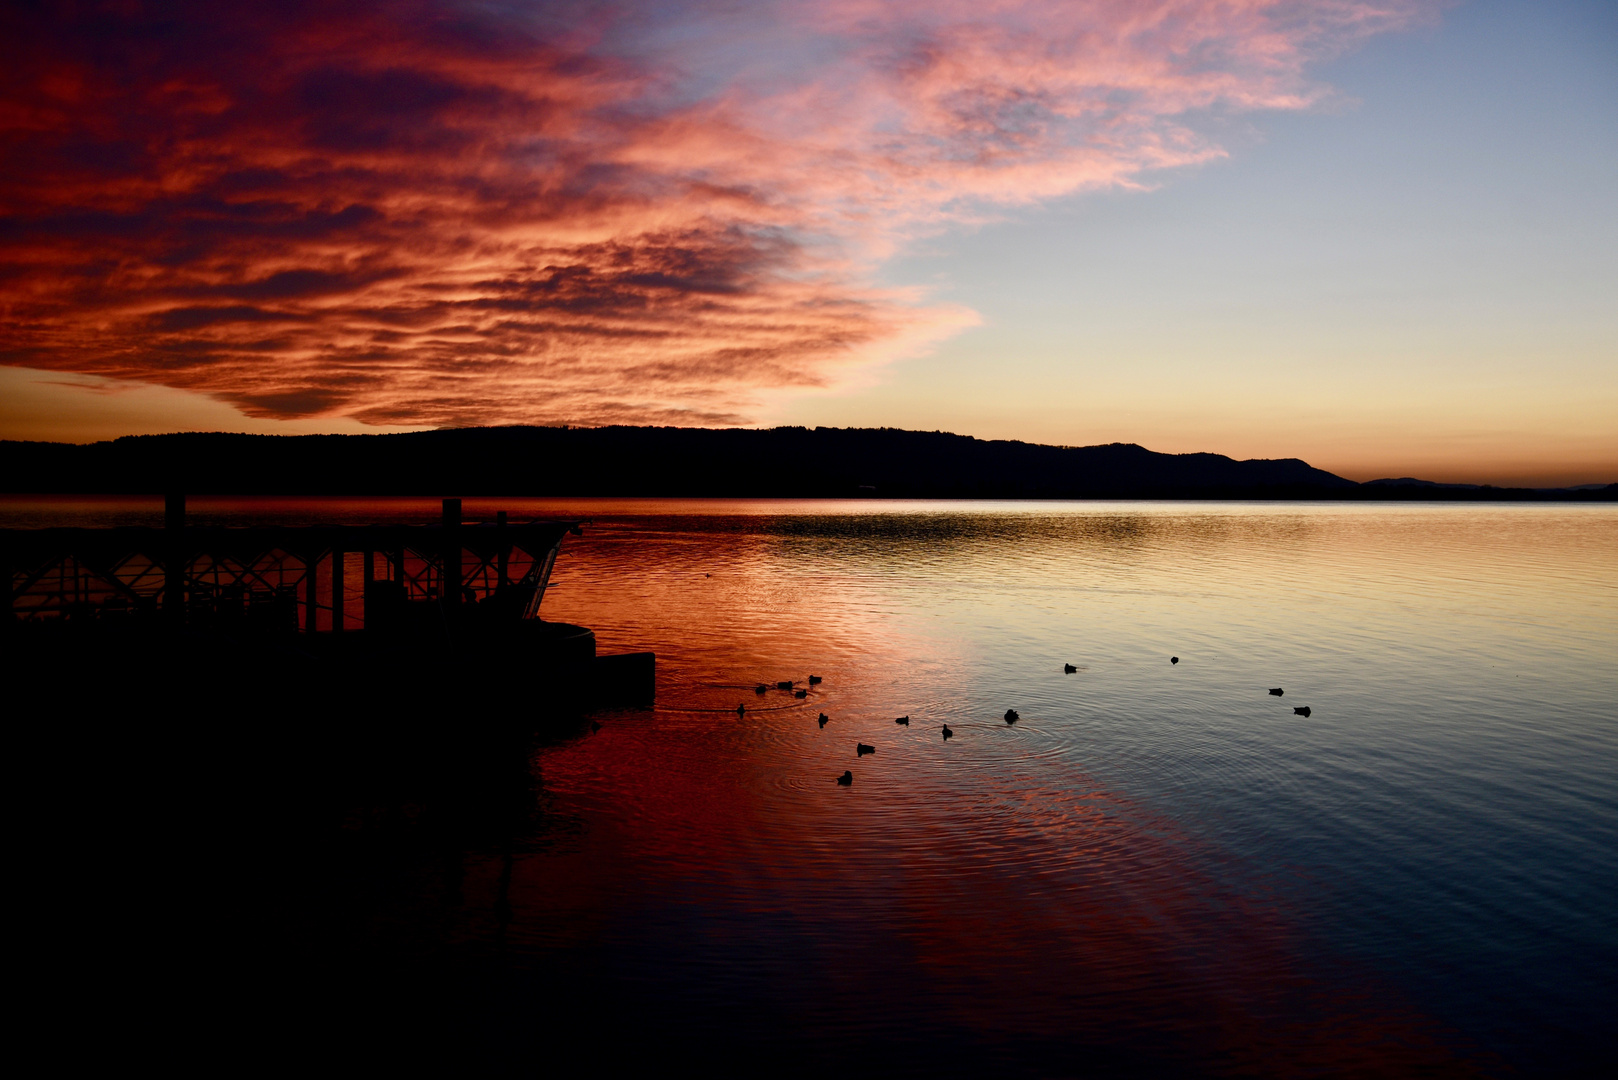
x,y
451,584
503,547
338,589
174,558
312,562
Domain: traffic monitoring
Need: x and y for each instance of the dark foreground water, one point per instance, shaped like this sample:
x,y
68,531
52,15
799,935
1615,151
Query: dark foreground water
x,y
1159,869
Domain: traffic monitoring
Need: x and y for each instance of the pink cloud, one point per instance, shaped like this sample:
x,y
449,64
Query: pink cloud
x,y
425,213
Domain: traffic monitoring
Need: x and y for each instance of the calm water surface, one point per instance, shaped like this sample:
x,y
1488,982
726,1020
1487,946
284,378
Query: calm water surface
x,y
1159,868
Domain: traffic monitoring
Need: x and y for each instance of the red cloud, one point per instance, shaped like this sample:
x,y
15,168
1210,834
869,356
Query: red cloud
x,y
428,213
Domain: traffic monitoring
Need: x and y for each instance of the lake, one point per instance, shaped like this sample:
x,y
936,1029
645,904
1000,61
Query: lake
x,y
1159,868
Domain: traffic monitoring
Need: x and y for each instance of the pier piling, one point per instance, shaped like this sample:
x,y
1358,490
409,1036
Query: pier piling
x,y
338,586
451,586
174,558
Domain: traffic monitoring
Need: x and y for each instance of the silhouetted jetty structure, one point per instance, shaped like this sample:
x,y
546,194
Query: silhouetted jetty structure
x,y
413,592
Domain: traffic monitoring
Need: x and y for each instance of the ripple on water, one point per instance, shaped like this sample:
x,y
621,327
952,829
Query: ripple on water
x,y
1157,859
1007,865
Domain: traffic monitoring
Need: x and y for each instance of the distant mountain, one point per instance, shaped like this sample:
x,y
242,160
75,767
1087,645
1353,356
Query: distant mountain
x,y
788,461
1409,481
1411,488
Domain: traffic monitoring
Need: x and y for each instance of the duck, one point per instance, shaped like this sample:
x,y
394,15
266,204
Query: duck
x,y
824,719
761,689
800,693
1276,691
905,720
1304,711
947,733
815,680
860,749
784,684
741,711
1011,716
1068,669
847,779
1174,659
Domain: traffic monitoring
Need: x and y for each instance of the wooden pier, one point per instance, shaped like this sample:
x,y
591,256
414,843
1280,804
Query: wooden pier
x,y
408,591
310,579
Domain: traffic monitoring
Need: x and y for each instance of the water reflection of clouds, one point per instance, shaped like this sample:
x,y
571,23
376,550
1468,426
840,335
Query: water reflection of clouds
x,y
1158,864
1015,863
985,890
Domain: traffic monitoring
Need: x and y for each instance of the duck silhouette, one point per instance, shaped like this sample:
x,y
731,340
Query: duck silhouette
x,y
860,749
1011,716
823,719
847,779
800,693
1276,691
947,733
741,711
905,720
815,680
784,684
1068,669
1304,711
761,689
1174,659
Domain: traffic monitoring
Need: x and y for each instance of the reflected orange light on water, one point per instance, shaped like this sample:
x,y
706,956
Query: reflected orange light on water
x,y
991,882
1158,868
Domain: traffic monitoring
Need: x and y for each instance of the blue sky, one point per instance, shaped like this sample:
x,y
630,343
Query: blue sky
x,y
1421,275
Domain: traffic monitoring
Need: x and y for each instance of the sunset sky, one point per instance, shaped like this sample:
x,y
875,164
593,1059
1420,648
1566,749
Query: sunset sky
x,y
1380,236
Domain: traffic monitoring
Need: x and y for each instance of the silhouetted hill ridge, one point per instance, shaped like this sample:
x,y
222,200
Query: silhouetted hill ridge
x,y
668,461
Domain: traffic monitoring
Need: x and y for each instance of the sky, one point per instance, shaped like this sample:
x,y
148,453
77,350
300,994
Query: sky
x,y
1379,235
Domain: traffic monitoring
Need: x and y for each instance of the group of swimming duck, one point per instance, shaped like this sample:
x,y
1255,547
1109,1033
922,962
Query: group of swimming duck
x,y
861,749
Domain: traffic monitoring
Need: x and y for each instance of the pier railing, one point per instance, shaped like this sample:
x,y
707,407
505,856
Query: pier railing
x,y
310,579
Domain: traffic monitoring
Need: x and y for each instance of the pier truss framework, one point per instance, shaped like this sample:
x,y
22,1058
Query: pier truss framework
x,y
309,579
